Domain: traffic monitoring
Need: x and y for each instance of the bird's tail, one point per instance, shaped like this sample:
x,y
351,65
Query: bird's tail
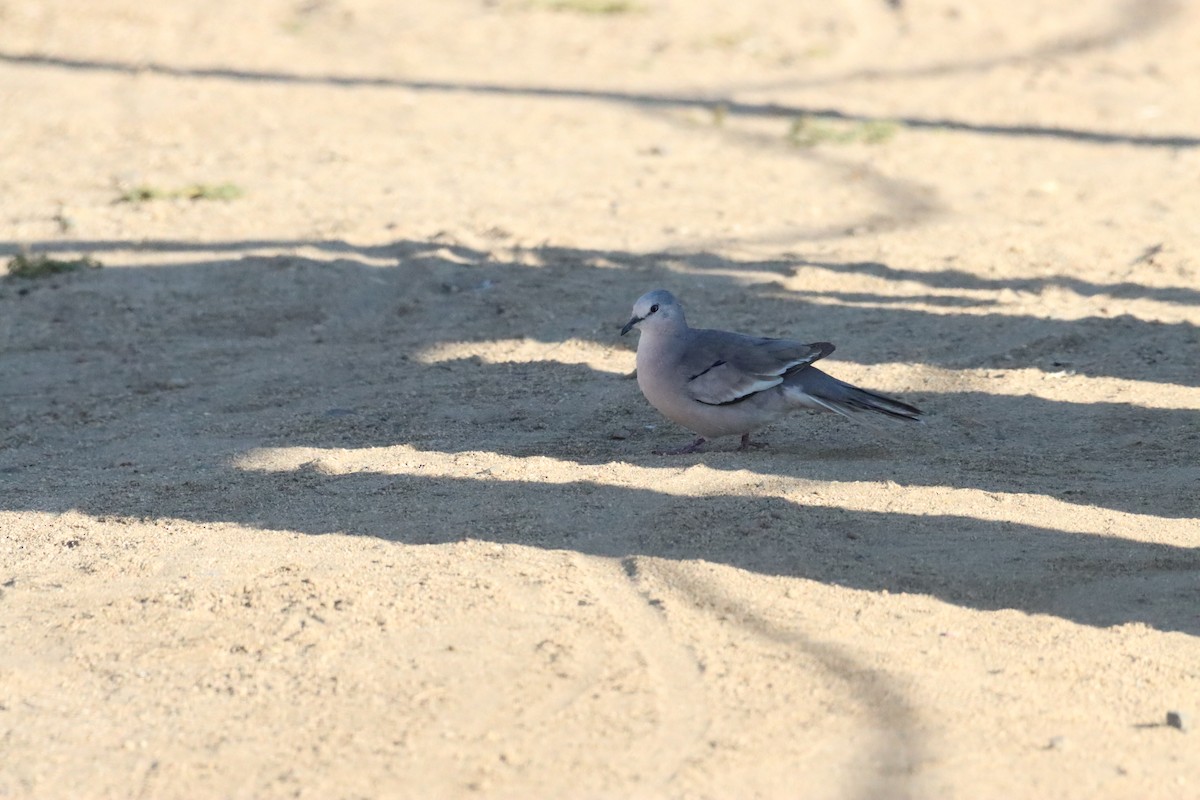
x,y
814,389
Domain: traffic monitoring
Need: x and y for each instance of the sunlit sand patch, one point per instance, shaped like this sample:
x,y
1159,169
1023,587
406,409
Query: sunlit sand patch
x,y
1055,299
1061,386
601,358
980,303
818,286
699,480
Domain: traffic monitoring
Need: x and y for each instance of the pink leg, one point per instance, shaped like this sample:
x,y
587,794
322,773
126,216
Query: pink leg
x,y
749,445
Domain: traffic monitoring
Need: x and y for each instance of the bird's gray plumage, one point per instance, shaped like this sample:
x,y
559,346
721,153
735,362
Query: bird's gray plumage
x,y
718,383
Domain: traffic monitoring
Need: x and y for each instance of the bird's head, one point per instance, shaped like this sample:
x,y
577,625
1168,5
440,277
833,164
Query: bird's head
x,y
658,309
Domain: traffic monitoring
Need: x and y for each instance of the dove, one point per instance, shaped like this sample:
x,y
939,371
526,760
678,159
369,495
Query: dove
x,y
716,383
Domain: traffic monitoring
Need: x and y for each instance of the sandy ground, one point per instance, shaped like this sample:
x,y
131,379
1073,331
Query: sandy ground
x,y
341,488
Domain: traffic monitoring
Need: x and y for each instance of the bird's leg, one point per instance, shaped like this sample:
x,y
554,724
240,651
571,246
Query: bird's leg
x,y
691,448
749,445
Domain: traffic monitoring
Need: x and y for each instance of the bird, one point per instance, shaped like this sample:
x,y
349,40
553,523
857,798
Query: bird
x,y
717,383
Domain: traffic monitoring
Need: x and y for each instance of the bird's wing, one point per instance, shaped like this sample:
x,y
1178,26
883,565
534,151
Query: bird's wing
x,y
726,367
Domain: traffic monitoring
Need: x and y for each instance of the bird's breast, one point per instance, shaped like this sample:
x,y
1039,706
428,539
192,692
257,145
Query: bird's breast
x,y
659,373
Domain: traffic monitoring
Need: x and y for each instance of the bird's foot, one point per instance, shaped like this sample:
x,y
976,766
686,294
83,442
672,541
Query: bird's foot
x,y
691,448
749,445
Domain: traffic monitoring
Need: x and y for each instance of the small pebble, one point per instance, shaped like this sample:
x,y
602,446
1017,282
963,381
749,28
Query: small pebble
x,y
1057,743
1179,720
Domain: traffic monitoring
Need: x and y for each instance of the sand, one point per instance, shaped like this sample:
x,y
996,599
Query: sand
x,y
341,488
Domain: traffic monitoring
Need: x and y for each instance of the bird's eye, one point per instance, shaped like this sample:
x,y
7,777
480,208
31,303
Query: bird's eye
x,y
654,308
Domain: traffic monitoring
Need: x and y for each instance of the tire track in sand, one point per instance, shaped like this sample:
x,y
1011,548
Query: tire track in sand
x,y
671,669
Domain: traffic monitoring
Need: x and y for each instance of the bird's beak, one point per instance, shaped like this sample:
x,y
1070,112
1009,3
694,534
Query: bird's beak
x,y
629,325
